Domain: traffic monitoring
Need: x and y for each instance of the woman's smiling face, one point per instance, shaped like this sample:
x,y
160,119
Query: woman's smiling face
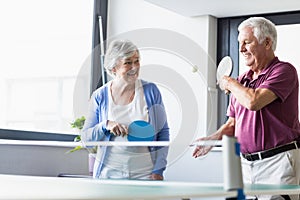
x,y
128,69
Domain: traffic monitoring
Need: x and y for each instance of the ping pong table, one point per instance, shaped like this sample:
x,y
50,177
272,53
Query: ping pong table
x,y
35,187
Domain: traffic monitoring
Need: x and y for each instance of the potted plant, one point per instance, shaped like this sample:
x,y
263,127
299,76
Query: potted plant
x,y
78,124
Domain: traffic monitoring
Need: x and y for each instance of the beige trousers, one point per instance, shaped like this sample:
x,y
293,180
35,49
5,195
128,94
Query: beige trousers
x,y
283,168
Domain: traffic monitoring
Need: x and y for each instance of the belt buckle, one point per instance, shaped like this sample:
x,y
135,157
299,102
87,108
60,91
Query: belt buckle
x,y
253,157
248,157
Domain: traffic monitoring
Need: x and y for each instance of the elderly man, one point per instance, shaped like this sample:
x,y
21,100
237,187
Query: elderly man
x,y
263,110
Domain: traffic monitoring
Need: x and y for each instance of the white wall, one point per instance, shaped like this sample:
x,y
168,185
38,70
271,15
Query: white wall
x,y
171,44
42,160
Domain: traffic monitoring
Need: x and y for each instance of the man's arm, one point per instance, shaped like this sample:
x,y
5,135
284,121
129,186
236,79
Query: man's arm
x,y
252,99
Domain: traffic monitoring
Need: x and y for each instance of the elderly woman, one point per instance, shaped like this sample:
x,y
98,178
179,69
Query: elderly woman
x,y
114,106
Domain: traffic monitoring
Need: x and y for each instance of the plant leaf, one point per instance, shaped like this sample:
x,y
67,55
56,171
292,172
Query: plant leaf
x,y
75,149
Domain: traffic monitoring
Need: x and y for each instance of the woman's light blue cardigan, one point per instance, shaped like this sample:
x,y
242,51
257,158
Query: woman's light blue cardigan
x,y
95,125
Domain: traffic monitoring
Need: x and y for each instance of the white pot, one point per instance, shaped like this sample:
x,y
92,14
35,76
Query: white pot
x,y
92,157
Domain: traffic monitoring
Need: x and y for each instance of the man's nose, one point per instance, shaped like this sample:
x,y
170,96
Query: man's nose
x,y
242,48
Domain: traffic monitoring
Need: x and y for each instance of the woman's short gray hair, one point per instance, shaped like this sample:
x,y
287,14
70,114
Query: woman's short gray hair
x,y
262,28
118,50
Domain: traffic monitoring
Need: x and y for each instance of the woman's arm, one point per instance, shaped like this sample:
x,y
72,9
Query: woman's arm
x,y
158,119
94,128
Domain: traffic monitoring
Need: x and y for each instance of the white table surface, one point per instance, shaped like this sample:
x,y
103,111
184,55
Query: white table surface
x,y
34,187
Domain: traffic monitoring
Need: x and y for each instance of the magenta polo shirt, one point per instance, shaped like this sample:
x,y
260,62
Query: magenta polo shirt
x,y
275,124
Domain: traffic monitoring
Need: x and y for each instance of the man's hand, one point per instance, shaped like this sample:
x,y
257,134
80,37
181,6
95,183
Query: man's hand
x,y
223,84
203,150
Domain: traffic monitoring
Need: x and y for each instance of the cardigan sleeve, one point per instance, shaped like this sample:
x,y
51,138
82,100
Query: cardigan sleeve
x,y
94,128
158,119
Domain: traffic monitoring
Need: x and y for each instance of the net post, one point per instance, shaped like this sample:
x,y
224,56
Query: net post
x,y
233,178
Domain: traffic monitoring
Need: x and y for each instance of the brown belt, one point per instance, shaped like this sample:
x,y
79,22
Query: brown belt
x,y
271,152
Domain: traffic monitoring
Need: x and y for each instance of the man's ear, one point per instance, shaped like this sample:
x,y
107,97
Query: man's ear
x,y
268,43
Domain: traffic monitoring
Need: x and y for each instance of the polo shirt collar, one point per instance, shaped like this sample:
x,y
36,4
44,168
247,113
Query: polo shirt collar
x,y
264,71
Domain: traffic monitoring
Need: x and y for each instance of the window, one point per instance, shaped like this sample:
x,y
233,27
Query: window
x,y
287,41
45,61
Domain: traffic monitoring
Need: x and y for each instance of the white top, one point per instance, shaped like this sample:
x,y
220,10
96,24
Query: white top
x,y
123,161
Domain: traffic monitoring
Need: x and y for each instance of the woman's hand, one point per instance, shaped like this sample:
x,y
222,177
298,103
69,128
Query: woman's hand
x,y
156,177
117,129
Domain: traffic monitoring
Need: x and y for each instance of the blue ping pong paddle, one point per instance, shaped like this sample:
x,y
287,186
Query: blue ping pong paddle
x,y
140,131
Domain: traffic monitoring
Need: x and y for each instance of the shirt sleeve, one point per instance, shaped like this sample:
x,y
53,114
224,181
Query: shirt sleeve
x,y
281,80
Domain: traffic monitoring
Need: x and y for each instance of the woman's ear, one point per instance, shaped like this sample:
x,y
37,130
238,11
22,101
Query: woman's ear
x,y
113,70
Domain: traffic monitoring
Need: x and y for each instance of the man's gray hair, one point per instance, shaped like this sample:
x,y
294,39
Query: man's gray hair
x,y
262,29
117,51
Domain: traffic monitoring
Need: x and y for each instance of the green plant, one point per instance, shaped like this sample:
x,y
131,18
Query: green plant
x,y
78,123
